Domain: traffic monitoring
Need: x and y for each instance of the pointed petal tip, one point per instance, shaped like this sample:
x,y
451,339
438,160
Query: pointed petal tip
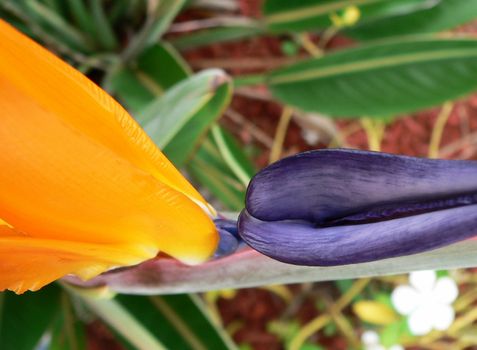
x,y
29,263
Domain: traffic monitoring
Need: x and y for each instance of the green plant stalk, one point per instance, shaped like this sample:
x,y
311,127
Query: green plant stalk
x,y
70,33
118,318
374,132
247,80
438,129
104,31
156,24
228,156
319,322
280,134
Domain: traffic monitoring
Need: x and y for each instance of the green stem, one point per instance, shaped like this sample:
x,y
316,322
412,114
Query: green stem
x,y
253,79
117,317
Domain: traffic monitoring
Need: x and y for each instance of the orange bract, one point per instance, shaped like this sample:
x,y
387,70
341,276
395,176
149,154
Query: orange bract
x,y
83,188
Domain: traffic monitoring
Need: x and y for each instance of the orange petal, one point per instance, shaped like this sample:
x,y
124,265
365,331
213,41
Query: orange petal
x,y
65,92
22,256
77,168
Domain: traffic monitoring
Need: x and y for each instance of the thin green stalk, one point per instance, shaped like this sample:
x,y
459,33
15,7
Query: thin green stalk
x,y
64,29
81,16
319,322
68,321
117,317
374,131
228,156
246,80
104,31
159,18
438,129
280,134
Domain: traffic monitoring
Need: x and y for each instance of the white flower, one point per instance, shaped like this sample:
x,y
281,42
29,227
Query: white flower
x,y
370,340
427,301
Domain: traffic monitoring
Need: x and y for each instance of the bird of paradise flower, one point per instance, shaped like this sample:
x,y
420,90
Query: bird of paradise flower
x,y
84,190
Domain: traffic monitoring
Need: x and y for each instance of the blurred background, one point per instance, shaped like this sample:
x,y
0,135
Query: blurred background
x,y
220,87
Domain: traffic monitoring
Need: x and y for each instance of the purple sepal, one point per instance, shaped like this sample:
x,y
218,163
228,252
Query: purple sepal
x,y
336,207
228,225
228,244
328,184
301,243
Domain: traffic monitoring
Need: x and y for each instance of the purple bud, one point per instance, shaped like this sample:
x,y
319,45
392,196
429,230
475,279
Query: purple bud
x,y
334,207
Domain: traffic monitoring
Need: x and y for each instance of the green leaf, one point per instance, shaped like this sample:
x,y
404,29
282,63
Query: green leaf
x,y
56,5
447,14
133,10
133,93
53,22
209,168
127,324
24,319
103,28
68,332
173,322
285,331
81,16
393,333
24,19
177,120
191,319
163,64
156,70
159,16
223,168
165,13
381,79
233,157
216,35
292,16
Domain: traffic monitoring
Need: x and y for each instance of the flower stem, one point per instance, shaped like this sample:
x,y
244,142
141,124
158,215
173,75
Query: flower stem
x,y
374,131
438,129
280,134
253,79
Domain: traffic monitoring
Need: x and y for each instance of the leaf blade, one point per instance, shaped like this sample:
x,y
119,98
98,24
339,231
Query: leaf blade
x,y
160,322
34,310
447,14
296,16
380,79
175,125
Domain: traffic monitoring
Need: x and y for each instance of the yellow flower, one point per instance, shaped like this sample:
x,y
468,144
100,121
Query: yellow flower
x,y
347,18
82,187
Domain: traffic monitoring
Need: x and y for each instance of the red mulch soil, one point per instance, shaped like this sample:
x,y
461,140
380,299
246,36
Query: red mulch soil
x,y
99,337
252,310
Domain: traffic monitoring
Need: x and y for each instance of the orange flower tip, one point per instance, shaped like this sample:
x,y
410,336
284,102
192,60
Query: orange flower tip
x,y
19,288
206,207
193,260
140,255
196,252
92,271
